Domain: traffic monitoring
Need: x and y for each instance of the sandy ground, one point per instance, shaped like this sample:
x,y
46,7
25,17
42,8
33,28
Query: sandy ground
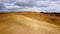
x,y
27,23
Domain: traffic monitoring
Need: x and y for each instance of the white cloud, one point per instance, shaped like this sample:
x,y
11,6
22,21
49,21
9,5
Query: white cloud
x,y
35,5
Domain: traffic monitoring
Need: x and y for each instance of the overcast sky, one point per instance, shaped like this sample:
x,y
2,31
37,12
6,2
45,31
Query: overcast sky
x,y
30,5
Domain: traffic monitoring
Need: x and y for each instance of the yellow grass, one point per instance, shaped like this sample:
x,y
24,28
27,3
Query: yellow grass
x,y
29,23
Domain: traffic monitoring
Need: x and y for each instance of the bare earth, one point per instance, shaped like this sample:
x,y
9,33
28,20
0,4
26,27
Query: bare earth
x,y
29,23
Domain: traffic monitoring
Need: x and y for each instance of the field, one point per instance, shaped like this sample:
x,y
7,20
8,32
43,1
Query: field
x,y
29,23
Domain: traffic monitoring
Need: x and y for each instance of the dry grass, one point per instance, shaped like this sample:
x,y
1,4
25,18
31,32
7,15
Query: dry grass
x,y
29,23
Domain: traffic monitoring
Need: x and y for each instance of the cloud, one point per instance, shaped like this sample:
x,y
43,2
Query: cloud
x,y
31,5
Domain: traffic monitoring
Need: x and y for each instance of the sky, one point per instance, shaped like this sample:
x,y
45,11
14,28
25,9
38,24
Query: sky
x,y
30,5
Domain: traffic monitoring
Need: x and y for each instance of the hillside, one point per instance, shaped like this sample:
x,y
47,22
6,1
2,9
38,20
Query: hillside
x,y
29,23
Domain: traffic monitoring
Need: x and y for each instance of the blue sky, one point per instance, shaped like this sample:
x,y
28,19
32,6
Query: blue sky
x,y
30,5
